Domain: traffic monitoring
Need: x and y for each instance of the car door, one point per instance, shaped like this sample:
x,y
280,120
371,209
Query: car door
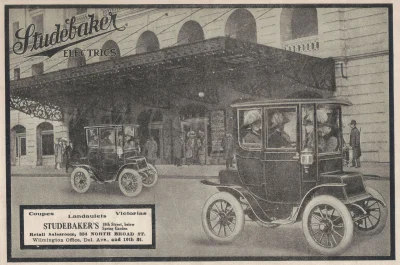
x,y
108,152
281,159
93,156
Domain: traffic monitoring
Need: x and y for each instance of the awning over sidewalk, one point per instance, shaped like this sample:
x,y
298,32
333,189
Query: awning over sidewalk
x,y
153,78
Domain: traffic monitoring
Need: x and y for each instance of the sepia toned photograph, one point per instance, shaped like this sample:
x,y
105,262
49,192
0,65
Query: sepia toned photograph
x,y
199,132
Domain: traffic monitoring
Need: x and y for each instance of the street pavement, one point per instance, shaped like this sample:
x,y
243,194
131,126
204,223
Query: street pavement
x,y
179,232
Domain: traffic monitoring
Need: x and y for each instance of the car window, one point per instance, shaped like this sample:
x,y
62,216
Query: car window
x,y
129,134
250,124
328,128
281,129
308,130
92,137
107,139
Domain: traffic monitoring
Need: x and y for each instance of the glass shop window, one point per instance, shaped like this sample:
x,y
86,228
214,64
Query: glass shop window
x,y
328,128
81,11
281,128
92,137
250,125
38,22
47,143
15,28
23,146
107,139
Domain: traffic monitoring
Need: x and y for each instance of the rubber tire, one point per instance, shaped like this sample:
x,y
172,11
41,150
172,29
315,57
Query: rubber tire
x,y
138,179
238,212
383,217
87,176
347,221
155,177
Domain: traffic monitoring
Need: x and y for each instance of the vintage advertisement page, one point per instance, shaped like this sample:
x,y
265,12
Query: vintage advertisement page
x,y
182,132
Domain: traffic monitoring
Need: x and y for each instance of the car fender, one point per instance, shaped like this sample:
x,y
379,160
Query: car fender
x,y
334,186
92,171
128,165
239,191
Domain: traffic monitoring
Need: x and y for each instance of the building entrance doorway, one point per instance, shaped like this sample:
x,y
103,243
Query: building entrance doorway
x,y
18,145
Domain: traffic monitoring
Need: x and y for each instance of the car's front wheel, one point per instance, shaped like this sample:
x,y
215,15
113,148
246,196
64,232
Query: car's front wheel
x,y
80,180
130,182
327,225
222,217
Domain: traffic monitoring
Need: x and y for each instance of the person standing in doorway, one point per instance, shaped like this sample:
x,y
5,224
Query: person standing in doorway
x,y
228,148
151,150
178,150
355,144
68,155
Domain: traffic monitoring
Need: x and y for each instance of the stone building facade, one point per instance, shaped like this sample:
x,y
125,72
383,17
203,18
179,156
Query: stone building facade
x,y
356,38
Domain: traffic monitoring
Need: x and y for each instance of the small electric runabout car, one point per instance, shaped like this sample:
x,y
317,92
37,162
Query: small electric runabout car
x,y
290,168
113,155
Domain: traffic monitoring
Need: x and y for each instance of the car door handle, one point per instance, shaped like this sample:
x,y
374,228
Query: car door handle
x,y
296,156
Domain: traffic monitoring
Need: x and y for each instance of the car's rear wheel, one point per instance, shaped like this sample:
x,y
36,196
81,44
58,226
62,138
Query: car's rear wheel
x,y
150,177
327,225
373,220
80,180
222,218
130,182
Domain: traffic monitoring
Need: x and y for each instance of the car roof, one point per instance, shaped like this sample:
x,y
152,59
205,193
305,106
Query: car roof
x,y
268,102
109,125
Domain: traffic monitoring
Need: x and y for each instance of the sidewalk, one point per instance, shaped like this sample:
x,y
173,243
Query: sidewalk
x,y
374,170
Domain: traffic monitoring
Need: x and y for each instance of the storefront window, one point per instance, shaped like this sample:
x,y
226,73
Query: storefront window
x,y
328,128
250,124
281,128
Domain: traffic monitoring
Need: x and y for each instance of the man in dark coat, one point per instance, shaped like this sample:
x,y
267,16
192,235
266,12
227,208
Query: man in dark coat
x,y
68,154
355,144
178,150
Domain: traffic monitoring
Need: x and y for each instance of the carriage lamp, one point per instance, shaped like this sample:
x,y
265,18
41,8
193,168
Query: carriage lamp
x,y
307,159
119,151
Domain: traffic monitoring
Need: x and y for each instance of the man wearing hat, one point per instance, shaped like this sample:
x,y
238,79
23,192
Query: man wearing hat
x,y
355,144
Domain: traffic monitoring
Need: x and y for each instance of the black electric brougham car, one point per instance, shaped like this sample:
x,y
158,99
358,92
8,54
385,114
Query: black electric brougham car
x,y
289,169
113,155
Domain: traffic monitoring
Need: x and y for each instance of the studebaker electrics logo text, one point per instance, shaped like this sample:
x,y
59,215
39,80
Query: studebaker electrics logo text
x,y
70,32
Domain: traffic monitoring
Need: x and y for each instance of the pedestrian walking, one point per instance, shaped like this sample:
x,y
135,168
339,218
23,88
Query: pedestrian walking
x,y
228,148
178,150
201,148
58,153
355,144
68,155
151,150
190,146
